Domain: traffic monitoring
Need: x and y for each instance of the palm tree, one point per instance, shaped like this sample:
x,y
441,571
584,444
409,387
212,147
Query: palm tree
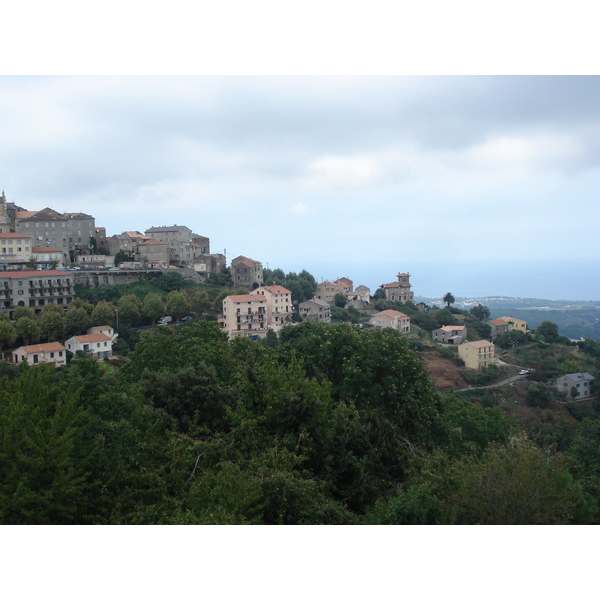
x,y
449,299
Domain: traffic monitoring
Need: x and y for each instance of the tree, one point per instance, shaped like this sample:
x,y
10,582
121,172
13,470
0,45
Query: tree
x,y
128,311
170,281
77,320
340,300
8,335
23,311
28,330
120,257
44,452
449,299
548,331
52,323
480,312
103,314
32,262
178,304
153,307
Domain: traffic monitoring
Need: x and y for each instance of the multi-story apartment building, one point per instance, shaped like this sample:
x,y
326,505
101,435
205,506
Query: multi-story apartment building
x,y
183,252
69,232
399,291
15,250
52,352
315,311
477,355
279,304
246,272
34,289
245,315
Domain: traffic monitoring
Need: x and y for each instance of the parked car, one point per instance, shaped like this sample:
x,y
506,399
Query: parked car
x,y
114,269
185,319
164,320
523,372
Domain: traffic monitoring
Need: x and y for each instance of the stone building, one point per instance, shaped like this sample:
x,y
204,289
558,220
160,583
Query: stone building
x,y
246,272
399,291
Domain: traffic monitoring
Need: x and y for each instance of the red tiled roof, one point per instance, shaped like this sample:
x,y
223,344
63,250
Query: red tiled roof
x,y
32,273
450,328
480,344
93,337
51,347
6,236
500,321
152,242
274,289
25,214
391,285
247,298
393,313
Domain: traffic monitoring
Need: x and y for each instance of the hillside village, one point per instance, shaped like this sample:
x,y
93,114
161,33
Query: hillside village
x,y
46,254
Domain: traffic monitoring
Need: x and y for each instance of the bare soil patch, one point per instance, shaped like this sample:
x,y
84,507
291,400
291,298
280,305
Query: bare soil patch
x,y
445,374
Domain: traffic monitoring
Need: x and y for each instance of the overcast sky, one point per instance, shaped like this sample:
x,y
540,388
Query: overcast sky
x,y
357,176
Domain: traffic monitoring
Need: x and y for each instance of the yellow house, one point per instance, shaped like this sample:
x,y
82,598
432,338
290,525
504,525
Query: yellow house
x,y
517,324
477,355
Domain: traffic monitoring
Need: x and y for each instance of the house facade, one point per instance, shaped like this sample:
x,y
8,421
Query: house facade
x,y
246,272
517,324
209,264
34,289
450,334
279,304
315,311
97,344
391,318
326,291
245,315
169,233
152,253
69,232
399,291
477,355
582,382
500,326
15,250
53,353
46,257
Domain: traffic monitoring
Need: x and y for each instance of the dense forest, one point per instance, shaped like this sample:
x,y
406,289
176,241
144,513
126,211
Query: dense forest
x,y
321,424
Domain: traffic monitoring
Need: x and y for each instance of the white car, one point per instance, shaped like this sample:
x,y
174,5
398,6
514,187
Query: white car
x,y
523,372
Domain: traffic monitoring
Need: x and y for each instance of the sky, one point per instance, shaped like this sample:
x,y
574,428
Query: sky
x,y
445,177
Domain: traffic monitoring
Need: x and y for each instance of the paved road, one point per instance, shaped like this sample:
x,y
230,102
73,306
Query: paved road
x,y
498,384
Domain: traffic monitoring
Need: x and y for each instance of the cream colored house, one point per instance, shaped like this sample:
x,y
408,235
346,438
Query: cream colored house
x,y
15,249
45,256
41,353
391,318
97,344
279,304
477,355
245,315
